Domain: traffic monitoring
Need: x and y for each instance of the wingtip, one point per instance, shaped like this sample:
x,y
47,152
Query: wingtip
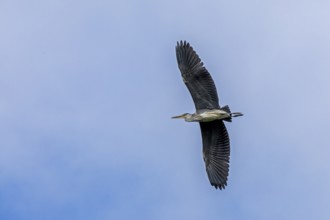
x,y
219,183
219,186
182,43
187,57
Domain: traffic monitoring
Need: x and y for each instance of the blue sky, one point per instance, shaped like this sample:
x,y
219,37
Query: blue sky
x,y
87,89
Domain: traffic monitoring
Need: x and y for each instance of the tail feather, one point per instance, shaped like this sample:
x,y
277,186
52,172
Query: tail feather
x,y
227,119
226,109
234,114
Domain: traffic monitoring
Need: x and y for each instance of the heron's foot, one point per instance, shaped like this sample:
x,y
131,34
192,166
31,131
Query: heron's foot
x,y
236,114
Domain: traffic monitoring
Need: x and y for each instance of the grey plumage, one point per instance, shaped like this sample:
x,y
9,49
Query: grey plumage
x,y
196,77
216,152
216,144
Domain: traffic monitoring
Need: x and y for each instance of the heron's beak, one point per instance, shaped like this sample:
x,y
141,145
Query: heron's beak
x,y
179,116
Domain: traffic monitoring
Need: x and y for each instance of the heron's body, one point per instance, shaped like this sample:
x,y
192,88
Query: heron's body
x,y
209,114
206,116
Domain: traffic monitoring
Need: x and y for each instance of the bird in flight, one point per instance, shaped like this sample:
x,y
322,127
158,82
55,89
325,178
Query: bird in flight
x,y
209,114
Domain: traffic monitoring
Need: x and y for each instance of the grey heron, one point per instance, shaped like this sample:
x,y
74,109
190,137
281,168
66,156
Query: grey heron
x,y
209,114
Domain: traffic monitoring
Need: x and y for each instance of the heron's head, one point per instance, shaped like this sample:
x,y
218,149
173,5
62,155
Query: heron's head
x,y
185,116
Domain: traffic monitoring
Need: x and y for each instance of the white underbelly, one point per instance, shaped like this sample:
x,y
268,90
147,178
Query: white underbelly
x,y
213,115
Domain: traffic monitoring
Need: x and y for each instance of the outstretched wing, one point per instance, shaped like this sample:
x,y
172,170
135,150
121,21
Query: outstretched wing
x,y
196,77
216,152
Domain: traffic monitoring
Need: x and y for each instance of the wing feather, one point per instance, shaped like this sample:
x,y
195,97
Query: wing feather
x,y
196,77
216,152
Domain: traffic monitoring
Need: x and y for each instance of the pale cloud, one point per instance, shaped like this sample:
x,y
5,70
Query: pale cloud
x,y
88,89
